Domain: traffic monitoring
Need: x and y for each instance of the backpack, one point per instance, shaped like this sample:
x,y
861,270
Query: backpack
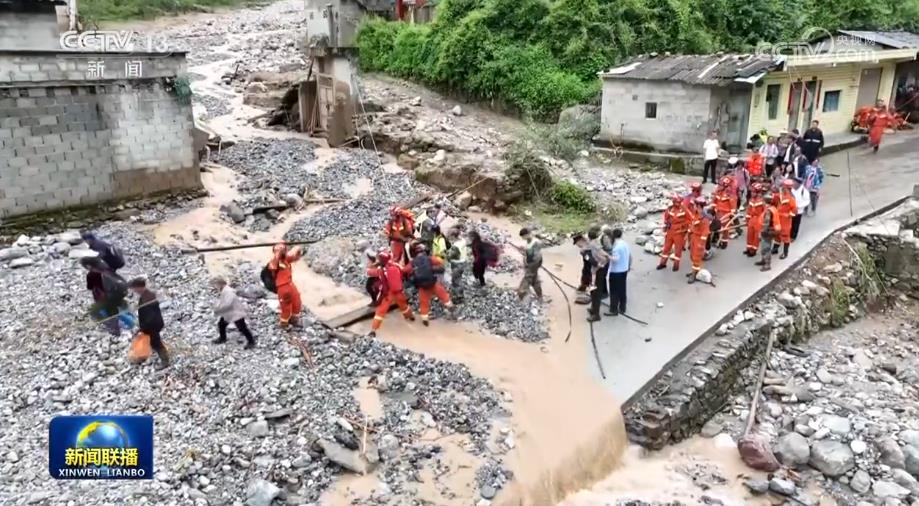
x,y
114,259
492,253
423,272
268,279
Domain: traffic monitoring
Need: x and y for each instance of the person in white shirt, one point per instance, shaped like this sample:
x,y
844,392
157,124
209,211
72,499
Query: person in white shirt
x,y
710,149
230,310
802,201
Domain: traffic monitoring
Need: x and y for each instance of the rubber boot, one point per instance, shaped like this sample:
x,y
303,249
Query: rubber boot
x,y
784,254
164,359
661,266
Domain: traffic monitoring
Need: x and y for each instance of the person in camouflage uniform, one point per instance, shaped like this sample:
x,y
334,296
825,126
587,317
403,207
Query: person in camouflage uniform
x,y
532,262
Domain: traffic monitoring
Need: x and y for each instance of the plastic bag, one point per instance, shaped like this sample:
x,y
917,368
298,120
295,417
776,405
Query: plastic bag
x,y
140,348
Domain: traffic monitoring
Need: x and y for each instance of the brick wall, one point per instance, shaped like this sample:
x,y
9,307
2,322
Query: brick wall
x,y
78,142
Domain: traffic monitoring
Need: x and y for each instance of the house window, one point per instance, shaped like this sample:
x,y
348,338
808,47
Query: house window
x,y
650,110
772,99
831,101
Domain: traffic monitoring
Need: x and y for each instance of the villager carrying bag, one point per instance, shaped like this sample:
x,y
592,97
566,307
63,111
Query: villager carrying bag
x,y
423,272
140,348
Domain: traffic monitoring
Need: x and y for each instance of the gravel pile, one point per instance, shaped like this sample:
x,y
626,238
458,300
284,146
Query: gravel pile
x,y
272,166
213,106
231,426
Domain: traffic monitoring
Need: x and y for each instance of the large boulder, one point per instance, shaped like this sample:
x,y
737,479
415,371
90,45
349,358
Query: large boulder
x,y
755,452
13,253
832,458
793,450
581,121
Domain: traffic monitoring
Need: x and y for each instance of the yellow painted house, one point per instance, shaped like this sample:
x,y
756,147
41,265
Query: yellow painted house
x,y
827,82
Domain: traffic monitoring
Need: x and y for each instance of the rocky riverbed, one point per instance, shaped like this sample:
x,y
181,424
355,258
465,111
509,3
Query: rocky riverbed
x,y
231,425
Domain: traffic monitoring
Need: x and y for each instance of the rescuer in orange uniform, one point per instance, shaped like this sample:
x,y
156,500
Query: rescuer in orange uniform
x,y
400,229
699,228
392,290
281,266
787,210
725,200
695,191
755,208
424,270
770,229
878,122
676,224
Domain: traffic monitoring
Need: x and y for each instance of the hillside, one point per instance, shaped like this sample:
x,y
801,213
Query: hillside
x,y
539,56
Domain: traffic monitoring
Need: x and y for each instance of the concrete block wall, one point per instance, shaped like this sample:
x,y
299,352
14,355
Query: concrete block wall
x,y
84,142
682,114
33,68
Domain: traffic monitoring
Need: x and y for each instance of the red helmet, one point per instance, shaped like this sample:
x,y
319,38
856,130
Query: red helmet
x,y
788,183
725,181
700,201
676,198
279,248
394,211
384,255
696,187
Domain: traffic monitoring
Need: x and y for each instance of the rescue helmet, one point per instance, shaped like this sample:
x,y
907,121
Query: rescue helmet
x,y
700,201
725,181
420,247
732,160
696,187
788,183
394,211
384,255
279,248
676,198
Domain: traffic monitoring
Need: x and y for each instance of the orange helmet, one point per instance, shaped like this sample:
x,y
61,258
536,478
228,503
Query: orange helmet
x,y
384,256
700,201
757,187
279,248
394,211
725,181
676,198
696,187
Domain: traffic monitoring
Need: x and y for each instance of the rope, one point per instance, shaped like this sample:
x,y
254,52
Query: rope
x,y
360,101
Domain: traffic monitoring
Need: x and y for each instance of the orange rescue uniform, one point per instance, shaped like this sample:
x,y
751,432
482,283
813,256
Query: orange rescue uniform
x,y
390,276
880,121
288,295
754,217
676,221
787,210
725,201
399,230
699,228
425,294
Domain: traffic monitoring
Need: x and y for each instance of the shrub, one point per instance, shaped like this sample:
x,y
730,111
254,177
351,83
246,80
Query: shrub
x,y
572,198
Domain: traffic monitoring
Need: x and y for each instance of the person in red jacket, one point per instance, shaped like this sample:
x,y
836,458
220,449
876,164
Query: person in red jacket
x,y
423,271
879,120
725,202
788,208
676,224
699,228
393,292
695,191
755,208
281,266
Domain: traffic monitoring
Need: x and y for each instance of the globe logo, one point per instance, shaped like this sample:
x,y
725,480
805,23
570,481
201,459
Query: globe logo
x,y
102,435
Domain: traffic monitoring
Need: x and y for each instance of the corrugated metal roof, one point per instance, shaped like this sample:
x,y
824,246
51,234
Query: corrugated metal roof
x,y
896,40
709,70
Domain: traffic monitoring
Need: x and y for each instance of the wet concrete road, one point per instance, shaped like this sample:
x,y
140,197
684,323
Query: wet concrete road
x,y
633,354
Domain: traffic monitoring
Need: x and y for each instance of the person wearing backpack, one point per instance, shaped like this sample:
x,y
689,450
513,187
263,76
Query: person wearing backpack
x,y
109,292
109,254
393,292
424,270
399,230
458,255
281,266
532,254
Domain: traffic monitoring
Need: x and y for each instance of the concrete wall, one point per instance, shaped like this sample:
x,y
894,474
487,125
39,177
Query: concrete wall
x,y
844,78
67,142
37,29
683,114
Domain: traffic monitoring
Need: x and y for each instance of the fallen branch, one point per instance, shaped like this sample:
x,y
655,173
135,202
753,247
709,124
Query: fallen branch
x,y
247,246
751,418
303,351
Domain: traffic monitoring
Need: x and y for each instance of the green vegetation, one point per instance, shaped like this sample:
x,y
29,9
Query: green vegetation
x,y
838,303
94,11
540,56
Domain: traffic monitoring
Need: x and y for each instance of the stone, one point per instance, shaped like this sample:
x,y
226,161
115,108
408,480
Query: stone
x,y
890,453
782,487
234,212
80,253
261,493
301,461
457,111
793,450
832,458
293,200
347,459
21,262
388,447
885,489
910,437
838,425
835,268
911,461
488,492
463,201
787,299
256,87
757,487
824,376
755,452
860,482
640,240
71,237
862,359
258,428
639,212
7,254
60,248
858,446
711,429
